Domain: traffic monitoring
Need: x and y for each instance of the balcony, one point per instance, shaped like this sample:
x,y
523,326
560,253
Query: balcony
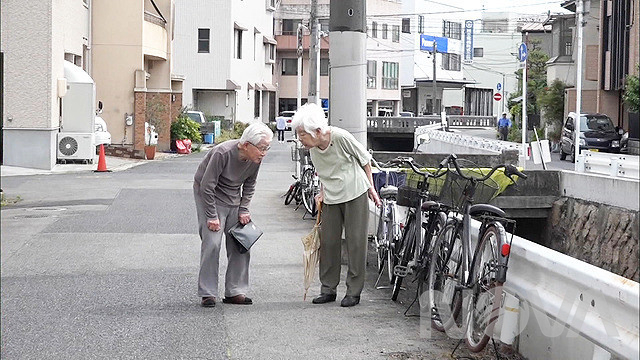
x,y
154,37
290,42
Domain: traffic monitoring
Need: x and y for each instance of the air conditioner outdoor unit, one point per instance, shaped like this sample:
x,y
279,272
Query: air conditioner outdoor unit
x,y
76,146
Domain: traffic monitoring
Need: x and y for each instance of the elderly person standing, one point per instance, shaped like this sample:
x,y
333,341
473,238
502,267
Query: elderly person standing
x,y
344,170
223,187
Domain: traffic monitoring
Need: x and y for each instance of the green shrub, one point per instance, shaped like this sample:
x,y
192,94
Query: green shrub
x,y
185,128
236,133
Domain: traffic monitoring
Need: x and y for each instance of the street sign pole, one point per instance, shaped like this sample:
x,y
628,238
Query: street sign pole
x,y
576,136
523,57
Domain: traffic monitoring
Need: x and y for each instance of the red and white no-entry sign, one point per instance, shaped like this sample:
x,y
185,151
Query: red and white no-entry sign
x,y
497,96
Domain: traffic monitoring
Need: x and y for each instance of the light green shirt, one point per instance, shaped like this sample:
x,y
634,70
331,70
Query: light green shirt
x,y
340,167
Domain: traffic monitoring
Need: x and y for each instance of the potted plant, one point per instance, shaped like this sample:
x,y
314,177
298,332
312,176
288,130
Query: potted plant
x,y
154,116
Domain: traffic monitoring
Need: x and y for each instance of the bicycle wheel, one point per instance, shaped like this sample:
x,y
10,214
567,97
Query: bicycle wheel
x,y
439,221
445,273
484,307
382,246
405,253
291,193
309,191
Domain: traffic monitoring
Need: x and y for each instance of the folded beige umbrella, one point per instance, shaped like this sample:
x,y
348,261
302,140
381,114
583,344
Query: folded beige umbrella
x,y
311,243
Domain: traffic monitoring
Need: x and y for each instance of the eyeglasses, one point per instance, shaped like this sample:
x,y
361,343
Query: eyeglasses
x,y
263,149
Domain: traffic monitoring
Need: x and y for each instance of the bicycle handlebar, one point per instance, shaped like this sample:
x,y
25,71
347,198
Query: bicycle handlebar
x,y
509,169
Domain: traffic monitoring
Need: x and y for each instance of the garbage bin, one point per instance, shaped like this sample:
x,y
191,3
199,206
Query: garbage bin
x,y
208,138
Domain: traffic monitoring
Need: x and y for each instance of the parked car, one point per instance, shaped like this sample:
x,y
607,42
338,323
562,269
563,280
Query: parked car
x,y
406,114
102,135
288,116
597,133
198,116
385,112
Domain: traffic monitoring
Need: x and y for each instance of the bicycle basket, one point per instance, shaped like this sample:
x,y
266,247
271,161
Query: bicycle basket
x,y
408,196
434,185
453,188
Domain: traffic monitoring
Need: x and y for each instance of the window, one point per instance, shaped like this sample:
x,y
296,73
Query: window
x,y
452,30
271,5
203,40
478,52
290,66
238,44
290,26
395,33
324,25
451,62
421,24
270,53
566,39
256,102
384,31
374,29
324,67
406,25
389,75
371,74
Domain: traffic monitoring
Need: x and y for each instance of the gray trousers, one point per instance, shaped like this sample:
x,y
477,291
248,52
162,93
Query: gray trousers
x,y
353,216
237,276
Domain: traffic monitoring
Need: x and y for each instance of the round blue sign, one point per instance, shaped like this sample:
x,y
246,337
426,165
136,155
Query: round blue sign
x,y
523,52
499,86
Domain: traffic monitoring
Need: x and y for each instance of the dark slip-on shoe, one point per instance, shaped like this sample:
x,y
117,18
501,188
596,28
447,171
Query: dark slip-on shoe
x,y
349,301
208,301
238,300
324,298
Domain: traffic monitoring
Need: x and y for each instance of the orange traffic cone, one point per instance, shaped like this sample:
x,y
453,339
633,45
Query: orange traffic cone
x,y
102,161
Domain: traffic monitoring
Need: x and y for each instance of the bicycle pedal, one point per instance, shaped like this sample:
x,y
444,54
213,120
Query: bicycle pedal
x,y
400,270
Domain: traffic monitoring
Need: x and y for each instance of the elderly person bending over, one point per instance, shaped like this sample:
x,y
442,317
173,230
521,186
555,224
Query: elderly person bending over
x,y
223,187
343,166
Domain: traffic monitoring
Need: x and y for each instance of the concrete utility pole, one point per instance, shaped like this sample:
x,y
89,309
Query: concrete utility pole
x,y
576,136
347,55
434,111
299,53
314,58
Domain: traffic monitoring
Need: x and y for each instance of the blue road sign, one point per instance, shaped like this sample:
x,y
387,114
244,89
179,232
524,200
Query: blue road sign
x,y
523,52
426,43
499,86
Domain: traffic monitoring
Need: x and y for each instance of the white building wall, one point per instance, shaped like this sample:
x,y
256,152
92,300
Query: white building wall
x,y
210,71
384,50
35,36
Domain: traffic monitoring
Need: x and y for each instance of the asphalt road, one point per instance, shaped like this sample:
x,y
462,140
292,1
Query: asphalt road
x,y
104,266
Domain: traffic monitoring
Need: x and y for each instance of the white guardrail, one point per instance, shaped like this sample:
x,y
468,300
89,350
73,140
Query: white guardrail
x,y
614,165
559,307
468,141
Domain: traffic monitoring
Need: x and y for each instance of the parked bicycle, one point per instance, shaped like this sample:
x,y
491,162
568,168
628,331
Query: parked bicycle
x,y
456,271
388,230
425,219
306,185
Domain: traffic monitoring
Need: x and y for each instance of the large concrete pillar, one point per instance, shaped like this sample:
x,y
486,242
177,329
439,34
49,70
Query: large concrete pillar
x,y
347,56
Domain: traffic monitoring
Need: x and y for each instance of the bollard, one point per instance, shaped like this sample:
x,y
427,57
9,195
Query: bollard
x,y
509,329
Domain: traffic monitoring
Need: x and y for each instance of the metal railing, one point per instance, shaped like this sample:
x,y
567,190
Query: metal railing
x,y
614,165
399,124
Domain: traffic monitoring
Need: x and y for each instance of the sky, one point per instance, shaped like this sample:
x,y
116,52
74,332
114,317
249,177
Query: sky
x,y
471,9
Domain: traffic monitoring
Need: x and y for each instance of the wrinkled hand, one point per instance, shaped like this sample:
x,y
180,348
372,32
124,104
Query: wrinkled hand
x,y
213,225
373,195
244,219
319,197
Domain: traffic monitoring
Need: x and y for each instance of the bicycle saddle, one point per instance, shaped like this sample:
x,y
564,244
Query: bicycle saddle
x,y
388,191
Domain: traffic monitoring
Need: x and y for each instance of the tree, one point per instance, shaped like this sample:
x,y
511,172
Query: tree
x,y
551,102
631,94
536,81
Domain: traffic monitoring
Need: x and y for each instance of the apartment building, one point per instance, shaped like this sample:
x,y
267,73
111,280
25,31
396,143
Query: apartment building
x,y
383,53
37,37
132,66
226,52
417,66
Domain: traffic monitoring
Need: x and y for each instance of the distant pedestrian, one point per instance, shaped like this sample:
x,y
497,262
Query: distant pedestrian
x,y
504,124
344,170
281,125
223,187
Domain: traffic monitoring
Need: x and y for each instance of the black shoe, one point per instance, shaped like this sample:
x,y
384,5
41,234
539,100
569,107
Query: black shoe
x,y
208,301
349,301
324,298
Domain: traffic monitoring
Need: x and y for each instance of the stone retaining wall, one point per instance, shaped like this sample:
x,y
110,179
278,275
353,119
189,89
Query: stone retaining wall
x,y
602,235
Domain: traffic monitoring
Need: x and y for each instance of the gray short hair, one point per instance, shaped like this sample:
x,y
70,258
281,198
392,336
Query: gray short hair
x,y
310,117
255,133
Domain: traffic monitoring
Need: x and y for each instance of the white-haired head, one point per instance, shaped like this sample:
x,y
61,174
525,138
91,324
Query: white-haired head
x,y
255,133
310,117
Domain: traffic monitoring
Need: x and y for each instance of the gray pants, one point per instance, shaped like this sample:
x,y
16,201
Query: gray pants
x,y
237,276
353,215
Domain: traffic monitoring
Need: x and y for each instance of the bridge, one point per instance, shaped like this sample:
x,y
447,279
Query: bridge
x,y
567,295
